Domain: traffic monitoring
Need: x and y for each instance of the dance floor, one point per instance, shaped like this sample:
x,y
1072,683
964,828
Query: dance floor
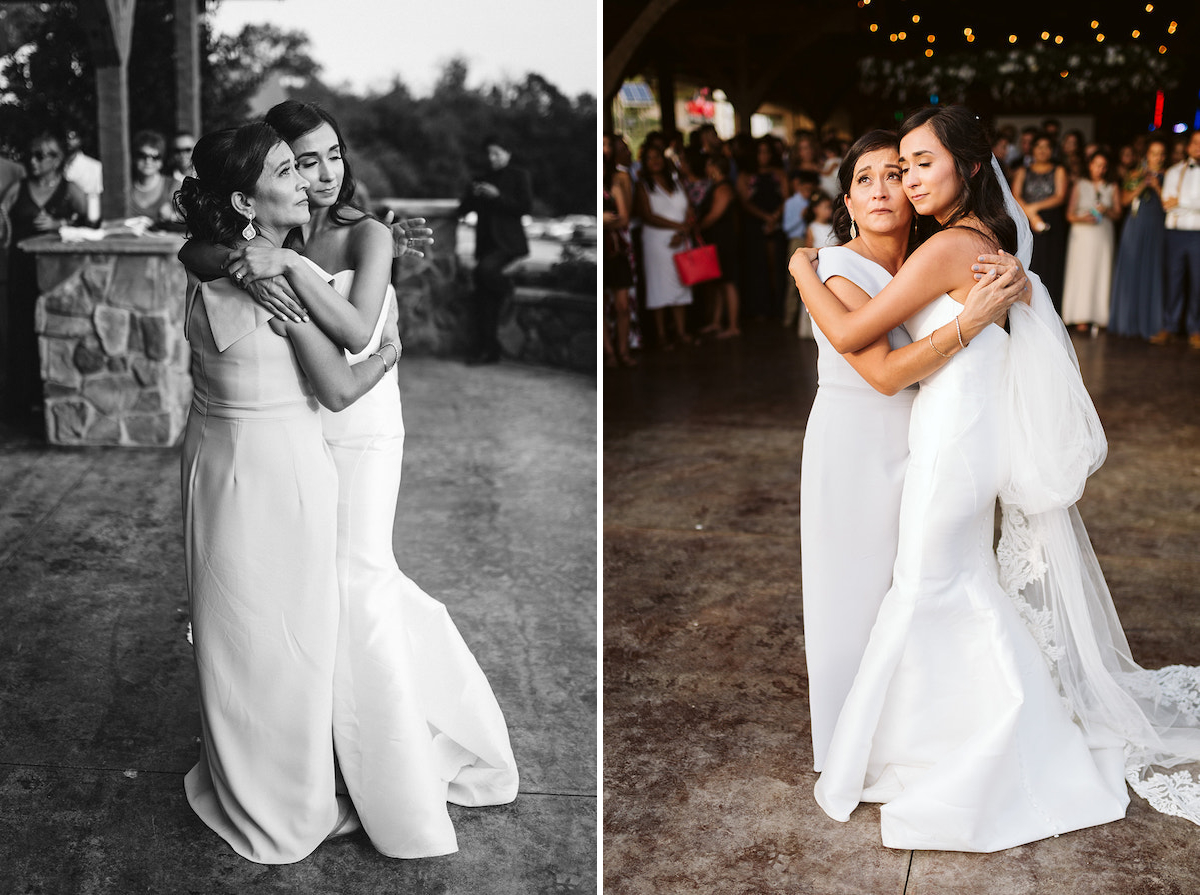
x,y
98,712
707,759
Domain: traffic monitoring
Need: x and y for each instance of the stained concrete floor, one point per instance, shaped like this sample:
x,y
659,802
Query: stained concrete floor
x,y
98,710
707,759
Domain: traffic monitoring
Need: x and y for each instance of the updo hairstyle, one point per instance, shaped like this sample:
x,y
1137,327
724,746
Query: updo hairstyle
x,y
226,161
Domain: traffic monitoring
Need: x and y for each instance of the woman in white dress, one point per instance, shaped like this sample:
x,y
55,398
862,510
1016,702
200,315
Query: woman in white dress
x,y
415,722
662,204
1088,281
856,439
260,519
996,702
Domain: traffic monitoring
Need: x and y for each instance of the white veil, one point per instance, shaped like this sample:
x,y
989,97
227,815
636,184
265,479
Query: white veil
x,y
1048,568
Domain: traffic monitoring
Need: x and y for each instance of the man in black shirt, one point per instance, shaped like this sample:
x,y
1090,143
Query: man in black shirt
x,y
499,198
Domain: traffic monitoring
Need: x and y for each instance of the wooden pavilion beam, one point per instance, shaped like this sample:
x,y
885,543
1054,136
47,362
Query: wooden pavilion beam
x,y
109,28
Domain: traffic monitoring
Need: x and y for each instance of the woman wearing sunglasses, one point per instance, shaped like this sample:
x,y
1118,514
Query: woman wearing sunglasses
x,y
41,203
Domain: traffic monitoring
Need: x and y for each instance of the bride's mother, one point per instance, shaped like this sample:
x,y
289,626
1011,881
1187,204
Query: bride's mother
x,y
260,519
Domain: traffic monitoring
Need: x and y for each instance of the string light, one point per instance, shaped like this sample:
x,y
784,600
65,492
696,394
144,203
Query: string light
x,y
928,53
916,19
1099,38
902,35
1012,38
930,38
1063,73
1095,24
874,27
970,38
1149,7
1171,28
1136,34
1162,50
892,37
968,32
1058,38
1045,35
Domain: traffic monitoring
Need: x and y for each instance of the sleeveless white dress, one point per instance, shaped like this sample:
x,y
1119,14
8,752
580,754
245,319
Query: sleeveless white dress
x,y
852,471
260,524
663,288
953,720
415,722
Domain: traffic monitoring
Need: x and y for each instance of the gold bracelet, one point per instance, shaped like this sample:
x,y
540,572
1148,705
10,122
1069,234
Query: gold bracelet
x,y
961,343
935,348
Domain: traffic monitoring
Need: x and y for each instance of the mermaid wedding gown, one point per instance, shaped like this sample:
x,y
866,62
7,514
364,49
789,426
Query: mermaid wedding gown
x,y
997,702
415,722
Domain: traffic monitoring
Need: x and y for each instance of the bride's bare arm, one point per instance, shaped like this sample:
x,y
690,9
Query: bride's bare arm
x,y
941,266
888,371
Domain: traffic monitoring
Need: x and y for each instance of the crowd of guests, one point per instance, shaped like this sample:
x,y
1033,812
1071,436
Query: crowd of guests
x,y
754,200
56,184
1116,231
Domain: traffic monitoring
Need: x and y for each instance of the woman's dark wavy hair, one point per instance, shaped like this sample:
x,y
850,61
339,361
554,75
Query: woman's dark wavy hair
x,y
969,144
292,120
227,161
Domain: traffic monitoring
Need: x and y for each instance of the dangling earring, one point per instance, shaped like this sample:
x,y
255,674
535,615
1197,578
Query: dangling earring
x,y
249,232
853,229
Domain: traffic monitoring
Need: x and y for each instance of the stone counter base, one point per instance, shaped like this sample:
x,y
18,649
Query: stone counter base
x,y
114,362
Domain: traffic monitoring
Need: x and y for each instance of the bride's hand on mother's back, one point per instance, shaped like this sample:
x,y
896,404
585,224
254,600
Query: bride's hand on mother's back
x,y
1000,264
991,297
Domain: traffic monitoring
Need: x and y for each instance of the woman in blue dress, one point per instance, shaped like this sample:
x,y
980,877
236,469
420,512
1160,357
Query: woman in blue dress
x,y
1137,292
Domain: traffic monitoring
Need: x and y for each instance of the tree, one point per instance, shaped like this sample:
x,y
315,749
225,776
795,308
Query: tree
x,y
52,80
236,66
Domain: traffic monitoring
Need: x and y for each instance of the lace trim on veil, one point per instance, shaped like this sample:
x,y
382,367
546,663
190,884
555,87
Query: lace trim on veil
x,y
1049,570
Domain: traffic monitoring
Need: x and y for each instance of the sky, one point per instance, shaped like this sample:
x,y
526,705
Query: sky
x,y
366,43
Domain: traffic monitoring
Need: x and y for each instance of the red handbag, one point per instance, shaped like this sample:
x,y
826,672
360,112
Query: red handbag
x,y
697,265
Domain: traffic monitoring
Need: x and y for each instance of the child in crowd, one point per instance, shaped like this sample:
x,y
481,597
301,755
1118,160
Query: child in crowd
x,y
801,184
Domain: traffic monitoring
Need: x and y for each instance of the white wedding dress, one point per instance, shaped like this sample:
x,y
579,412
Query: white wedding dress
x,y
851,476
997,702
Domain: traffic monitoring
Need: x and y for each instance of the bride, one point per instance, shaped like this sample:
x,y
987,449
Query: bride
x,y
996,702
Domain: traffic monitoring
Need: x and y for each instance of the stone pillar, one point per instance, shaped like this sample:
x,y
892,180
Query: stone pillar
x,y
115,364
